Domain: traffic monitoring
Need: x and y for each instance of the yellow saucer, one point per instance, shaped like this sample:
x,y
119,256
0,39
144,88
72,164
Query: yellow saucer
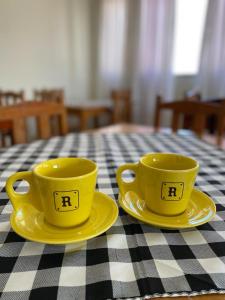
x,y
201,209
29,223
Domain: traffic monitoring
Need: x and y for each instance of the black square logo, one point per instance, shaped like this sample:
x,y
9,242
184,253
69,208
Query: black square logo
x,y
66,200
172,191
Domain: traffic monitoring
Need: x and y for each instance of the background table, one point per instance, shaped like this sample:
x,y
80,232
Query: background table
x,y
131,259
90,109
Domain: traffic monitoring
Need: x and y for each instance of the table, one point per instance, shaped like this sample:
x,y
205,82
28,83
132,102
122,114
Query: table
x,y
126,128
87,109
131,259
41,110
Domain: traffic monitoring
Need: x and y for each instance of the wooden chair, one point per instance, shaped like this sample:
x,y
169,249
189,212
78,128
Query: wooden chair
x,y
55,95
212,122
51,95
199,111
9,98
188,119
192,94
122,106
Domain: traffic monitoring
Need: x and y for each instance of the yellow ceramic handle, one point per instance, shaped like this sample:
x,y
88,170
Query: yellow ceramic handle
x,y
127,186
17,198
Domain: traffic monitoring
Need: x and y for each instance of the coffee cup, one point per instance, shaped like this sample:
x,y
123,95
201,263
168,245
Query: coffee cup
x,y
163,180
63,188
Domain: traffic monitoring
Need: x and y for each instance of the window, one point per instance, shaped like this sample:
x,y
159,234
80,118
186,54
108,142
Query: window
x,y
189,29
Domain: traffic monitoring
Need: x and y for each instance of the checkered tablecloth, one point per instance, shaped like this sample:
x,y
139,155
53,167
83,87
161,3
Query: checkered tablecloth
x,y
131,259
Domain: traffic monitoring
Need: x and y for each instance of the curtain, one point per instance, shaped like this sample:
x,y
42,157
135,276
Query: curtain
x,y
211,75
153,66
111,45
130,47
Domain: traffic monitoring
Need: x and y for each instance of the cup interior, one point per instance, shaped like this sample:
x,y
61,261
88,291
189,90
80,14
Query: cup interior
x,y
168,161
65,168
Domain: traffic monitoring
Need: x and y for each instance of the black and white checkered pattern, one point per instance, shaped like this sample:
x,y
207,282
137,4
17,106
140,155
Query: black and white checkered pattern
x,y
131,259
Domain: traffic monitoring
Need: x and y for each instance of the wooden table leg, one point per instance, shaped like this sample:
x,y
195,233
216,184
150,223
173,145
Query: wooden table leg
x,y
129,111
157,120
83,121
199,124
96,121
220,130
110,116
44,129
63,125
116,112
157,114
19,131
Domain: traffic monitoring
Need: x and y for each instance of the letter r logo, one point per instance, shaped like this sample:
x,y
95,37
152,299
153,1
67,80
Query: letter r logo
x,y
66,200
172,191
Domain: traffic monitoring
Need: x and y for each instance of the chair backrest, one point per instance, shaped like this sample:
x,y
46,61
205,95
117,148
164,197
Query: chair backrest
x,y
122,105
188,119
200,112
197,110
55,95
11,97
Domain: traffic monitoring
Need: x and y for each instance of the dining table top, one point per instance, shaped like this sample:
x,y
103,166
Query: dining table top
x,y
132,259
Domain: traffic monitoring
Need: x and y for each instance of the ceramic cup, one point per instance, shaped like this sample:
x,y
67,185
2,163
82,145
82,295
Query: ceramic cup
x,y
62,188
163,180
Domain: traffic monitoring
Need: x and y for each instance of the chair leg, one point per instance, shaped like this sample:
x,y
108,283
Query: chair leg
x,y
3,140
220,131
175,121
157,113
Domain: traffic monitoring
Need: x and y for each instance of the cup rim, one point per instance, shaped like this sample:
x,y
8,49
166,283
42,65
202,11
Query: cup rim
x,y
170,154
35,171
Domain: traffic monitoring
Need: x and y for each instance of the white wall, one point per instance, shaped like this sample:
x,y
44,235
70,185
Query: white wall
x,y
34,45
51,43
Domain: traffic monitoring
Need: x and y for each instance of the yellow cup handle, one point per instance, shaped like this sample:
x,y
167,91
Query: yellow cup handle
x,y
127,186
16,198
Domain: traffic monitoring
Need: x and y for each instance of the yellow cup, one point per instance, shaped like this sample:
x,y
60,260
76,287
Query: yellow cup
x,y
62,188
163,180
